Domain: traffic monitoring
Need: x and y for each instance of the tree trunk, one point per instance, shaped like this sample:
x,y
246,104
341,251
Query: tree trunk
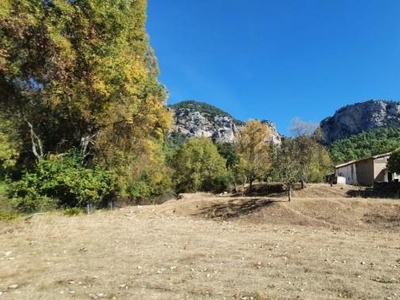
x,y
290,192
303,184
250,186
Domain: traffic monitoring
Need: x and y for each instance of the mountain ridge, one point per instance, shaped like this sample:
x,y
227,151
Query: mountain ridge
x,y
199,119
196,119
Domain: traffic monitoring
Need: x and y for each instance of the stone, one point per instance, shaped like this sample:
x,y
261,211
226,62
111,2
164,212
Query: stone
x,y
13,286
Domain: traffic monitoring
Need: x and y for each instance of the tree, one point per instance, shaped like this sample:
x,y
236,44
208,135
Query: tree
x,y
301,158
227,151
393,165
286,166
254,149
9,147
312,158
81,74
199,167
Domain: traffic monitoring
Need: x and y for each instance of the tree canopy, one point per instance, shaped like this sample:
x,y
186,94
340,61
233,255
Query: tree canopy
x,y
199,167
394,162
81,75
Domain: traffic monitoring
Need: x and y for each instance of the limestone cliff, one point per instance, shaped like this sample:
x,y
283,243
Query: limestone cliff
x,y
359,117
198,119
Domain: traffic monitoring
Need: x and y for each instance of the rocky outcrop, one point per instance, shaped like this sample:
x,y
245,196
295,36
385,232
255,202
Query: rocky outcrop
x,y
193,123
359,117
198,119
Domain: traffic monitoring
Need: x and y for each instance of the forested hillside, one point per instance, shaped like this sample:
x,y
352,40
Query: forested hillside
x,y
365,144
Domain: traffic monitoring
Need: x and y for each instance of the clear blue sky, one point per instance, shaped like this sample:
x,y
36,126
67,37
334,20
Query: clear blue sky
x,y
277,59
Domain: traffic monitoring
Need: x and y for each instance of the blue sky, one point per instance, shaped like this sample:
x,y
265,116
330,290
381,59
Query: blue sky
x,y
277,59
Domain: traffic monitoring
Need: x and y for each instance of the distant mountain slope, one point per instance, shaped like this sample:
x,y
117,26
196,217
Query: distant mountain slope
x,y
356,118
365,144
198,119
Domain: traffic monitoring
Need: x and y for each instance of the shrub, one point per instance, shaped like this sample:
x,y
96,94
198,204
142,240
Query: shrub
x,y
61,182
72,211
37,203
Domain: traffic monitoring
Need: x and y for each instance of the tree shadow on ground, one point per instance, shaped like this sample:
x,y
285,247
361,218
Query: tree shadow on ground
x,y
235,208
388,190
373,193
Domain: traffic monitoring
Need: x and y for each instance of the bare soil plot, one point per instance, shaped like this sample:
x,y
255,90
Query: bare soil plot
x,y
209,247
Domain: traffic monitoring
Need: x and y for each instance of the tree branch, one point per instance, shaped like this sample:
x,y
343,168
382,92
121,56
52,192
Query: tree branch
x,y
37,147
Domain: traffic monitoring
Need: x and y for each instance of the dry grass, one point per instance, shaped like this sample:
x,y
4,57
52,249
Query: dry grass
x,y
206,247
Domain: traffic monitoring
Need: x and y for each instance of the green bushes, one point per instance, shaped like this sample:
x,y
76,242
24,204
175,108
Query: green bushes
x,y
60,182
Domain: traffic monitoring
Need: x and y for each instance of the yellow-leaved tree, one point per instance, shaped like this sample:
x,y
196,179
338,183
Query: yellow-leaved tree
x,y
254,149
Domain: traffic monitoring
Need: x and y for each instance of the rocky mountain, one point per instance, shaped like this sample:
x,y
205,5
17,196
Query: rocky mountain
x,y
359,117
199,119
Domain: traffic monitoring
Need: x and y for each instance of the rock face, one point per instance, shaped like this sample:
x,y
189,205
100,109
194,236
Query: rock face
x,y
198,119
195,124
359,117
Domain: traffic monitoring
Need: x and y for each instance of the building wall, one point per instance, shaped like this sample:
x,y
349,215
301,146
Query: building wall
x,y
365,172
349,172
380,172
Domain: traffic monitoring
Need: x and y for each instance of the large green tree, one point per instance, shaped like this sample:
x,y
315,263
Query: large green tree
x,y
81,74
199,167
393,165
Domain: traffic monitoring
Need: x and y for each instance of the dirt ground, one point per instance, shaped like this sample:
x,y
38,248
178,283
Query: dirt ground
x,y
322,245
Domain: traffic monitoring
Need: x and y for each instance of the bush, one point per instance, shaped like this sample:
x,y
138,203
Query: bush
x,y
28,205
61,182
72,211
217,184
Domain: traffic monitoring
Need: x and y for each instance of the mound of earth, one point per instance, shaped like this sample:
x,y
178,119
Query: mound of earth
x,y
316,205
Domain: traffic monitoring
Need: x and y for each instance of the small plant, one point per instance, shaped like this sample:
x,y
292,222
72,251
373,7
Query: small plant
x,y
72,211
8,215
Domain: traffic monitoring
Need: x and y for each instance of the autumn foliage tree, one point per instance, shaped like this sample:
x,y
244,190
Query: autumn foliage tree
x,y
81,74
254,149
